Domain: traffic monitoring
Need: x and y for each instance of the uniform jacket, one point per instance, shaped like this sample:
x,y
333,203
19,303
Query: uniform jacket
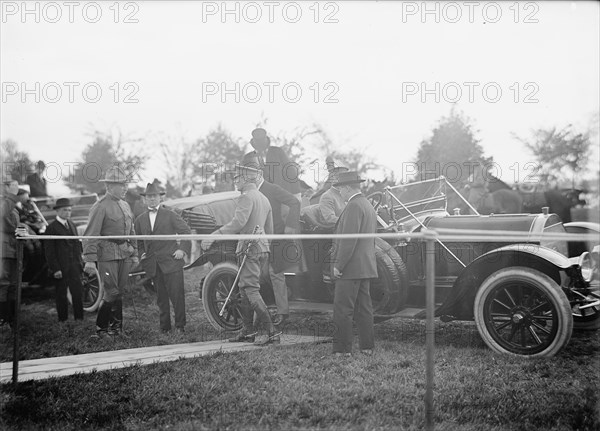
x,y
109,216
278,169
252,209
10,221
62,253
355,257
160,253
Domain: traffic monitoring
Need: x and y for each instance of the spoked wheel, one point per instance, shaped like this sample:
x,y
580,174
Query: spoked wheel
x,y
215,289
523,312
587,318
92,291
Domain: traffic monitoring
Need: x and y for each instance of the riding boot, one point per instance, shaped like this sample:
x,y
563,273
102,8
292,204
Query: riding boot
x,y
116,318
103,318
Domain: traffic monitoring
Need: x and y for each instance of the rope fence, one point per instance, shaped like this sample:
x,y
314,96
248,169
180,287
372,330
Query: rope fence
x,y
429,236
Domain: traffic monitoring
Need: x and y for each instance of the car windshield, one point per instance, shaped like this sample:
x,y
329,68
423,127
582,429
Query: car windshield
x,y
417,198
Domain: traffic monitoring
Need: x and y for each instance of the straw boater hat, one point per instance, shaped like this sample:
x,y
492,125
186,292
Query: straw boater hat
x,y
153,189
349,177
62,202
116,175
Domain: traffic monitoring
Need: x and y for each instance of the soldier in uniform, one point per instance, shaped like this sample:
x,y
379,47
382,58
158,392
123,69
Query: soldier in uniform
x,y
252,209
8,268
110,216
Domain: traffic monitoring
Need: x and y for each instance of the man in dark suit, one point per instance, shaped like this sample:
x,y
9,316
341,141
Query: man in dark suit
x,y
163,261
37,182
65,261
353,265
275,163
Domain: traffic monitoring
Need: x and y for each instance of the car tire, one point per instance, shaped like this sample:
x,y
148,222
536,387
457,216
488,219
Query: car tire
x,y
215,288
522,312
389,289
92,291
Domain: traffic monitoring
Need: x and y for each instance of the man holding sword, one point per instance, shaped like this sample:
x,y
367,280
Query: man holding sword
x,y
252,209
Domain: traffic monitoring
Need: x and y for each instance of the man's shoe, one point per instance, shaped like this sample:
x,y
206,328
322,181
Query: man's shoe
x,y
243,338
272,338
180,330
368,352
342,354
101,334
280,319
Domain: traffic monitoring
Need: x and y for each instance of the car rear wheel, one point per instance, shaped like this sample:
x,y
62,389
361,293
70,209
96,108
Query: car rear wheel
x,y
523,312
92,291
215,289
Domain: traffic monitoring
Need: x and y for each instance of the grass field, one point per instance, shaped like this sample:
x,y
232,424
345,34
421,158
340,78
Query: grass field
x,y
298,387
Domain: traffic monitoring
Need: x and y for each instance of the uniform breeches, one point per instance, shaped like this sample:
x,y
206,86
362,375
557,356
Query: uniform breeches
x,y
115,276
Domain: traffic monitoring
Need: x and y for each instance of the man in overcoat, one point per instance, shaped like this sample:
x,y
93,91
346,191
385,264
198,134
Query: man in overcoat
x,y
353,265
163,260
8,265
65,262
111,216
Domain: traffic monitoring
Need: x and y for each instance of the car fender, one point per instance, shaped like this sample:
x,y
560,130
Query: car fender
x,y
460,302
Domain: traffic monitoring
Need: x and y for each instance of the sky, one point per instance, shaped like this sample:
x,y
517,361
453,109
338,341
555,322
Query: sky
x,y
376,76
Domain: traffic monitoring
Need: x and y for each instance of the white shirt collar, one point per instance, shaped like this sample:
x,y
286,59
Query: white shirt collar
x,y
355,194
61,220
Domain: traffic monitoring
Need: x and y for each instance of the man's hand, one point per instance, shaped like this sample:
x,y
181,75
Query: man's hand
x,y
179,254
58,274
290,230
206,244
90,268
336,273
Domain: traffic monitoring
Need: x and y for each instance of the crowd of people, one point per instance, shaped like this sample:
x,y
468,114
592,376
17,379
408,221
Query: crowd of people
x,y
270,202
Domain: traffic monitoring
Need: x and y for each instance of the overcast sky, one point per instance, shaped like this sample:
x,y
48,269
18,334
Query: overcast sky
x,y
518,66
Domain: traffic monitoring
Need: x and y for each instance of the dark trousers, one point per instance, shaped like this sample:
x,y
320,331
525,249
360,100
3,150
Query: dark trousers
x,y
352,300
8,289
71,280
169,287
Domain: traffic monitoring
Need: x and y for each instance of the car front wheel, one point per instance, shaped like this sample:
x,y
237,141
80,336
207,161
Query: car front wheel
x,y
215,289
92,291
523,312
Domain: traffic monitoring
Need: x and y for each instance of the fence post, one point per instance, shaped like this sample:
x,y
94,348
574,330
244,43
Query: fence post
x,y
429,331
15,374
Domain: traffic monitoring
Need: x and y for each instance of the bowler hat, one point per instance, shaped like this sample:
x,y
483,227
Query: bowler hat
x,y
153,189
62,202
348,177
116,175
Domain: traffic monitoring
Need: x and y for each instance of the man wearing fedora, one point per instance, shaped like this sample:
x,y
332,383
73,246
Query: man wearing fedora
x,y
353,265
330,206
252,210
163,261
65,261
111,216
275,163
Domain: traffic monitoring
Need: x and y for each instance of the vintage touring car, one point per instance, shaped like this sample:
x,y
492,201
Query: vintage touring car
x,y
525,296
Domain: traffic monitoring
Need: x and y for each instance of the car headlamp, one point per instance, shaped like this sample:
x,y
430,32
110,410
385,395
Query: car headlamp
x,y
586,266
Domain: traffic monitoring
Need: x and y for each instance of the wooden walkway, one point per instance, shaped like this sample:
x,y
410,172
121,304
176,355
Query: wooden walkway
x,y
44,368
